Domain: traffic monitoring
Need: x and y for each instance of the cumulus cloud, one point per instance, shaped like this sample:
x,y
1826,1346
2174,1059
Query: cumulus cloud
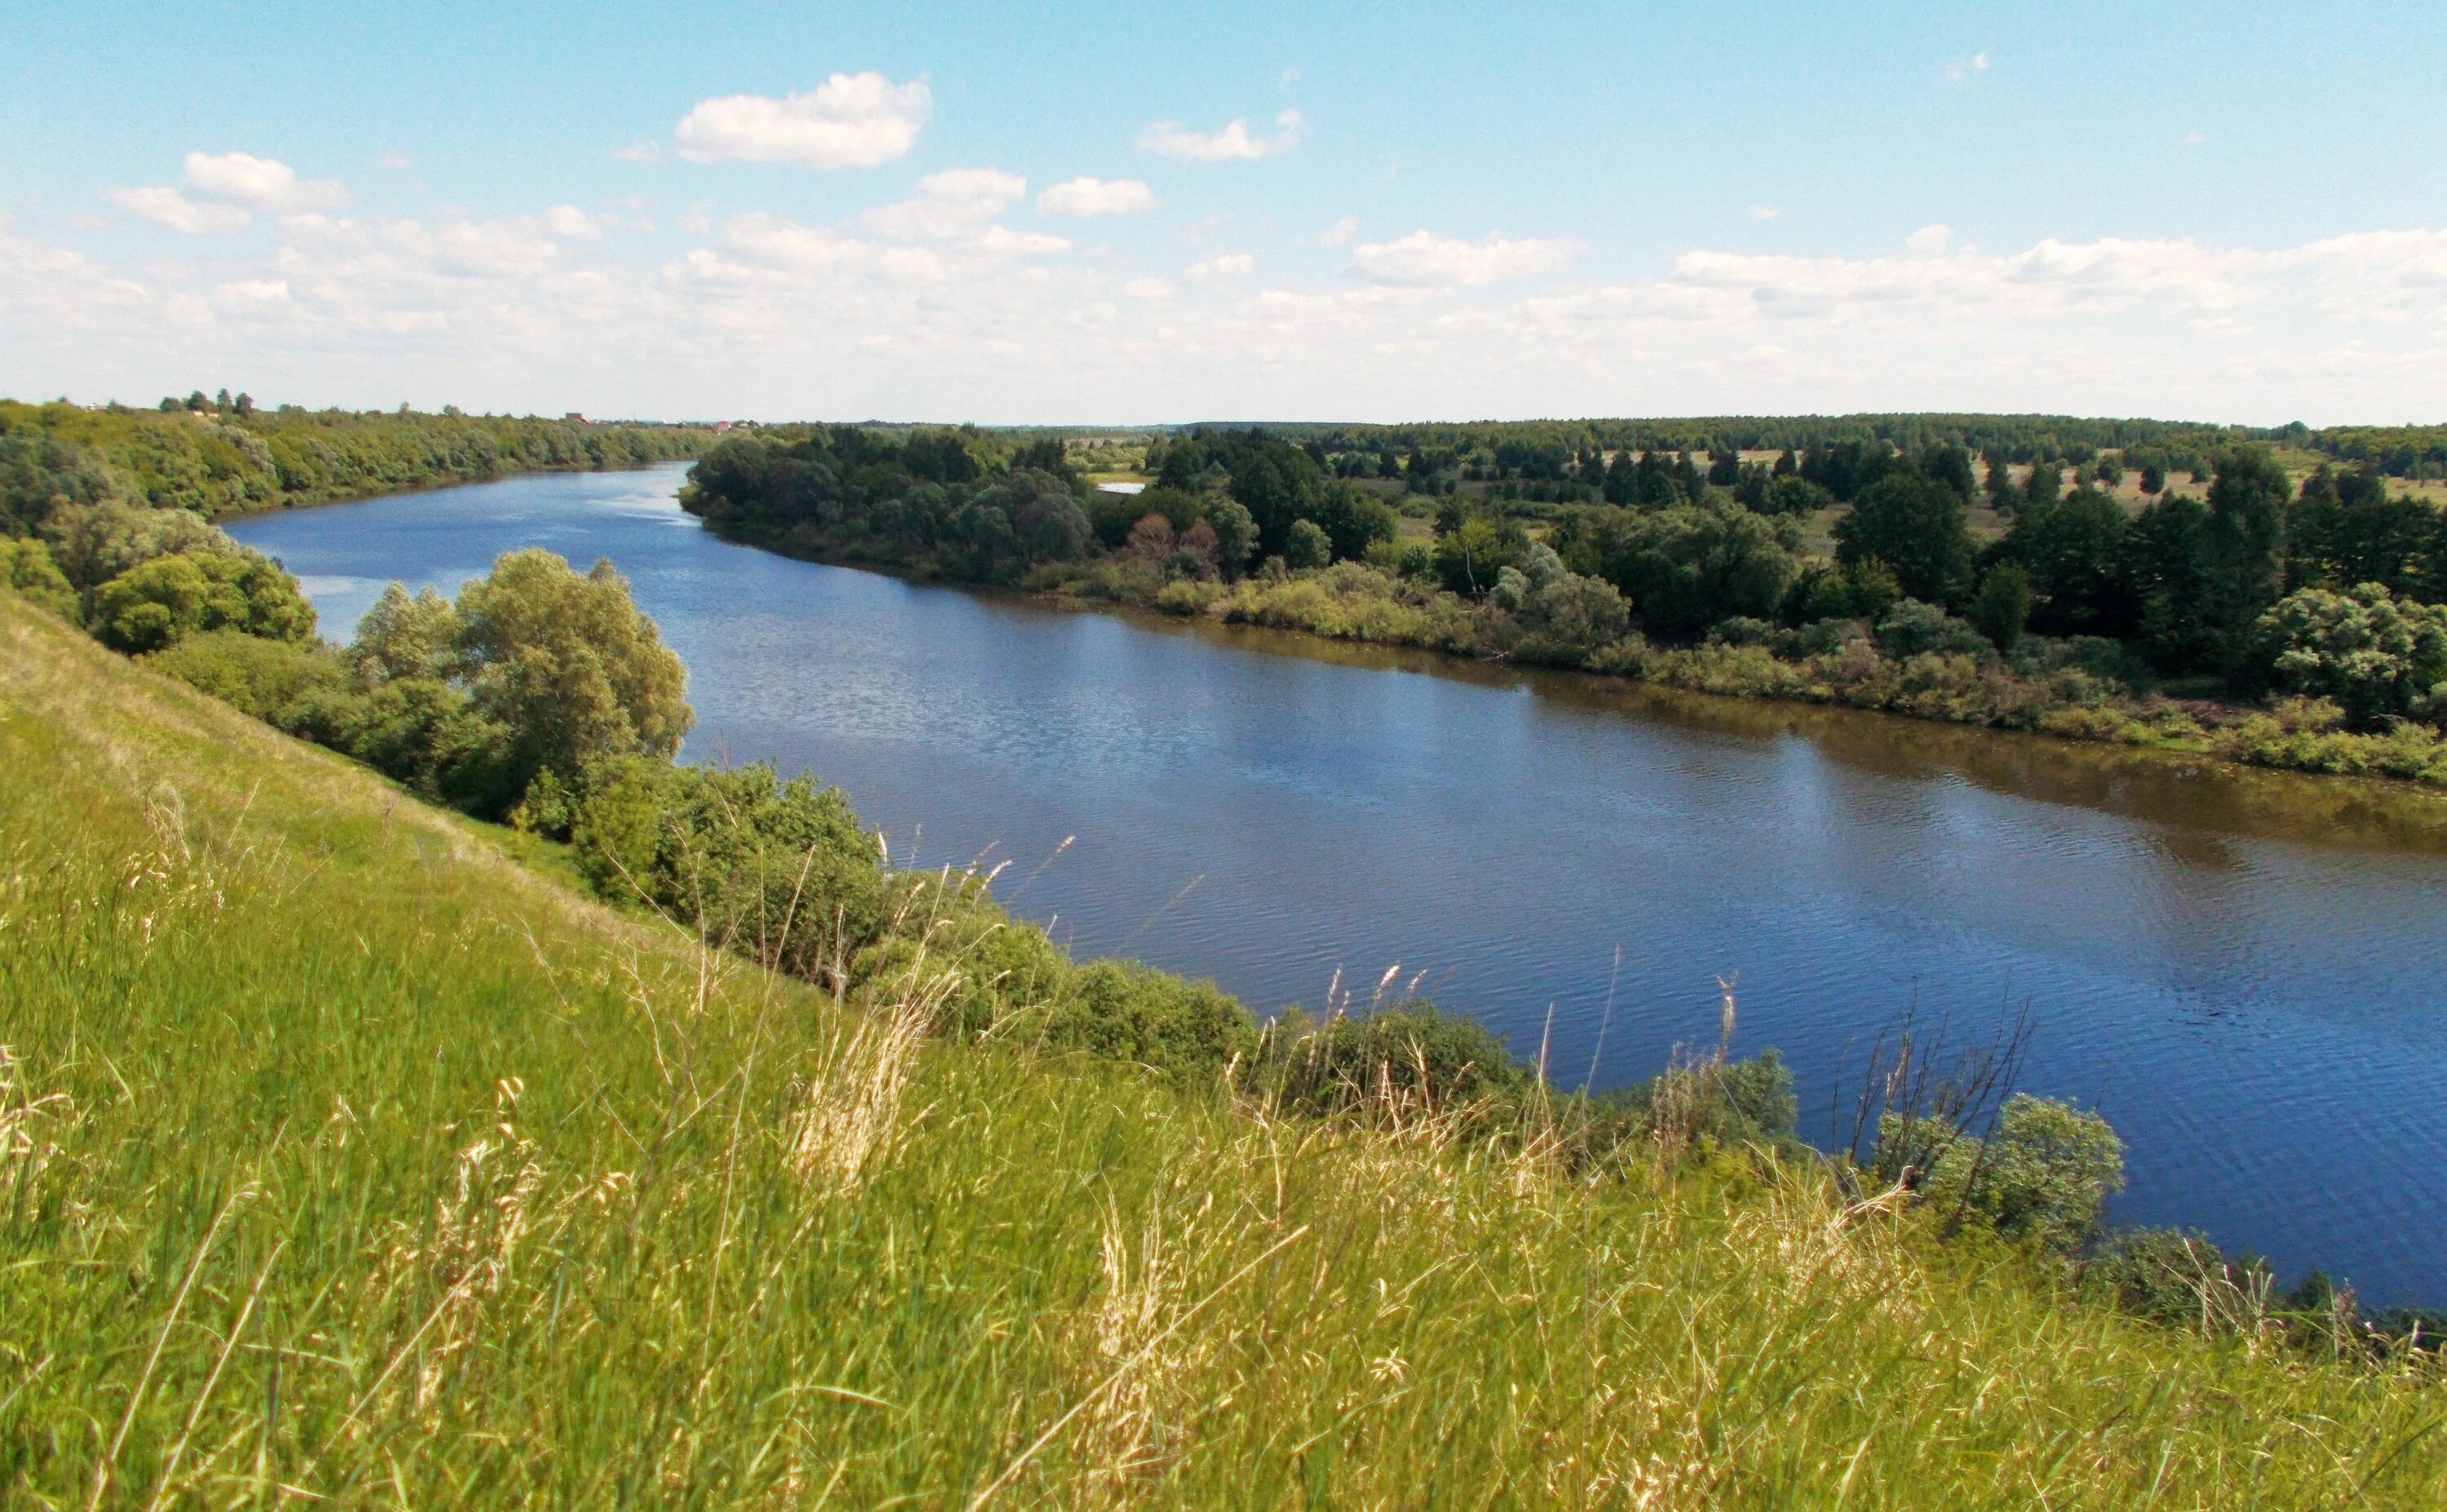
x,y
1096,197
955,202
1170,138
1220,267
1427,261
166,207
766,315
850,121
1962,68
1764,212
222,192
259,183
638,152
568,220
1341,232
1931,276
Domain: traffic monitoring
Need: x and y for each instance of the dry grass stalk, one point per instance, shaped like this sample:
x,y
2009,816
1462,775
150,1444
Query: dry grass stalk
x,y
849,1119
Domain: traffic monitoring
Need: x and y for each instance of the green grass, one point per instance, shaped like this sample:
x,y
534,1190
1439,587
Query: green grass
x,y
346,1159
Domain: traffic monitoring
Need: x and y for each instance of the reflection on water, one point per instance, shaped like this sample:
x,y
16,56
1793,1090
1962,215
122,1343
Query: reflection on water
x,y
2239,967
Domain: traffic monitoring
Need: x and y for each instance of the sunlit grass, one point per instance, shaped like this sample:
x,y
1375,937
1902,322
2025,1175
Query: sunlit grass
x,y
345,1158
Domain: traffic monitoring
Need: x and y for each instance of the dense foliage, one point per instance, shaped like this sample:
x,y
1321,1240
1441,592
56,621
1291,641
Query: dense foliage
x,y
970,507
231,457
537,675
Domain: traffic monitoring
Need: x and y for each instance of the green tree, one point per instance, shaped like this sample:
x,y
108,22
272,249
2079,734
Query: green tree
x,y
2044,485
1920,529
2003,606
2376,655
2245,539
1236,535
158,602
1307,545
2078,556
402,638
1688,566
567,664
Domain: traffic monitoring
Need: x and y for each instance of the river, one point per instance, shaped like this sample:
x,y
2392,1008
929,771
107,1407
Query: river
x,y
2243,971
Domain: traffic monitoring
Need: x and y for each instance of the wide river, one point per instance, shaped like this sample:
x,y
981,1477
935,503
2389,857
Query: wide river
x,y
2247,973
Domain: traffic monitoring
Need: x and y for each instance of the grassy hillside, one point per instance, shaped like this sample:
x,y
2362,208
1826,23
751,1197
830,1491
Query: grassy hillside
x,y
345,1158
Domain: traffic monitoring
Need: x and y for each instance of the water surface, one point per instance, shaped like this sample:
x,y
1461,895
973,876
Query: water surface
x,y
2241,970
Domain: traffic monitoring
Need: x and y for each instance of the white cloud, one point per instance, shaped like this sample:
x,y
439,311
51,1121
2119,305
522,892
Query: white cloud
x,y
1096,197
850,121
1001,243
568,220
1220,267
1172,140
955,202
2195,139
768,316
1929,242
398,162
1341,232
259,183
165,206
1764,212
1425,259
638,152
1962,68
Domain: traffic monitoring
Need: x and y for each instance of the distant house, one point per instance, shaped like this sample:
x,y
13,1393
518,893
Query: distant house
x,y
574,417
721,426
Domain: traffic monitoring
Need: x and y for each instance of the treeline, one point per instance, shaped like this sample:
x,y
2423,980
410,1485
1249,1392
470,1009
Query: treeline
x,y
969,506
225,456
2293,626
1496,449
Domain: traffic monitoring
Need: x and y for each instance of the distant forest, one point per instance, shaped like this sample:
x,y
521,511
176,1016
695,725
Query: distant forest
x,y
224,455
2271,595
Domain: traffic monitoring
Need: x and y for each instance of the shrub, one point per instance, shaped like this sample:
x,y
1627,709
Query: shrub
x,y
2044,1174
1915,629
158,602
2177,1279
1123,1011
27,569
1709,1104
778,870
2375,655
1414,1055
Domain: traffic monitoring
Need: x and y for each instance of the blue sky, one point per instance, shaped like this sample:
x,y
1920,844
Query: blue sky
x,y
1430,211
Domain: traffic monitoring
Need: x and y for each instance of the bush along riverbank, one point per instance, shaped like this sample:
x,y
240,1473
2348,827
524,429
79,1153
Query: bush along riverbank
x,y
543,699
2298,633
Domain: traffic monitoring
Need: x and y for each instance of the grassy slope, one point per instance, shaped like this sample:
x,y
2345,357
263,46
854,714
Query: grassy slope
x,y
343,1153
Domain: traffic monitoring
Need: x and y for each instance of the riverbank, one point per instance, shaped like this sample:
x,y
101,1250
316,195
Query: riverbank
x,y
228,461
2055,693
